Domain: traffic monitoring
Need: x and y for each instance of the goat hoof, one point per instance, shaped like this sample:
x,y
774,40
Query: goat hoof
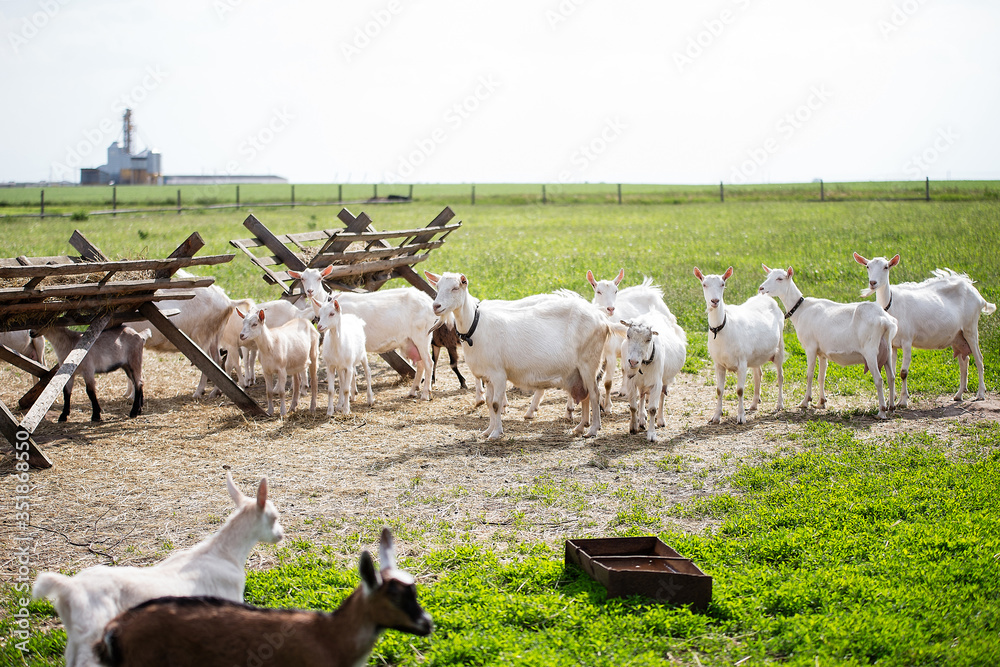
x,y
63,418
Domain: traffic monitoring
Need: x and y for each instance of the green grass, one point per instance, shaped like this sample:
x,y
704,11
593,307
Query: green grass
x,y
839,550
66,199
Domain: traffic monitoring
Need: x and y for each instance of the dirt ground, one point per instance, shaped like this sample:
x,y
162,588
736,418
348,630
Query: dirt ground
x,y
130,491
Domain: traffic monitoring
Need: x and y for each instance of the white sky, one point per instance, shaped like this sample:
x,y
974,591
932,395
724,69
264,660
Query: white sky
x,y
514,91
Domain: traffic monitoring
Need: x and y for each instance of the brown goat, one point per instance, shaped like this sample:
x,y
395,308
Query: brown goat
x,y
445,335
209,632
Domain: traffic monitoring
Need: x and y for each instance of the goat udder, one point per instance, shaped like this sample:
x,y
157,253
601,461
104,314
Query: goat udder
x,y
577,390
960,347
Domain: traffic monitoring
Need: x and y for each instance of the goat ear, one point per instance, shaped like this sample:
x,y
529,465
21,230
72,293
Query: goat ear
x,y
241,314
262,493
728,273
260,314
764,266
315,302
591,280
326,271
295,274
386,550
894,261
431,278
621,275
370,577
790,272
336,305
860,260
463,280
697,274
234,492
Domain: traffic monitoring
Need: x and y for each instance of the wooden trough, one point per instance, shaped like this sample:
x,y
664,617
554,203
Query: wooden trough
x,y
363,259
82,291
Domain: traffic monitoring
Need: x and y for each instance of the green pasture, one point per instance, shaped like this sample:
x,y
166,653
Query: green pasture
x,y
838,548
65,200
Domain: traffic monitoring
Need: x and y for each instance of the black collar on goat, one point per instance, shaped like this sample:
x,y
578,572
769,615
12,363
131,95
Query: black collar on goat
x,y
467,336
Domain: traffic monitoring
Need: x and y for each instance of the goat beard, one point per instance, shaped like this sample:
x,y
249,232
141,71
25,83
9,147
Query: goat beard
x,y
867,292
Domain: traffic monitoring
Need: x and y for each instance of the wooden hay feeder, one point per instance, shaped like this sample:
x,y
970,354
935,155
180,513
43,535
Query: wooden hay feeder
x,y
641,566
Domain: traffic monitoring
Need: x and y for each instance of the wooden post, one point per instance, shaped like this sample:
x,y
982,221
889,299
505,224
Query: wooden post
x,y
10,429
42,214
619,194
114,200
722,194
543,194
927,188
410,196
293,196
375,195
237,197
178,201
822,195
340,193
473,194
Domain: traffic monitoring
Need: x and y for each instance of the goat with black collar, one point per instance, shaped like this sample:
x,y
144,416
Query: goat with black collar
x,y
652,355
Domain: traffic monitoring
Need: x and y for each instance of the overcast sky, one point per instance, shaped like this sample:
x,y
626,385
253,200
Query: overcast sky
x,y
516,91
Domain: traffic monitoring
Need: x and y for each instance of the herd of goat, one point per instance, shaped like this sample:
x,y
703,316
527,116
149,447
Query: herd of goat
x,y
555,340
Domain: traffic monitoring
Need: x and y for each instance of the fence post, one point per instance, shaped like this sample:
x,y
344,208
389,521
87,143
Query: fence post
x,y
473,194
722,195
543,194
42,213
293,196
340,192
822,194
410,196
927,188
619,194
114,200
178,201
375,195
237,197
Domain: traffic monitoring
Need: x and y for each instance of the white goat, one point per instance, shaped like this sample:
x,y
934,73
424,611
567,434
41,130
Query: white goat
x,y
629,303
845,333
938,313
187,631
203,318
741,337
652,355
557,343
278,312
285,350
394,319
343,350
115,347
88,601
22,343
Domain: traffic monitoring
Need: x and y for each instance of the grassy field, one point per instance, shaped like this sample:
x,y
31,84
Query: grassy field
x,y
837,548
80,200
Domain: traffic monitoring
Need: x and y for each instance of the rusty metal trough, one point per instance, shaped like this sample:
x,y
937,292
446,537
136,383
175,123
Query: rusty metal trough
x,y
643,566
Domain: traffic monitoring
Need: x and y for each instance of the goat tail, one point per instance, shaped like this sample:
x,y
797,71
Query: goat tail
x,y
51,585
989,308
107,648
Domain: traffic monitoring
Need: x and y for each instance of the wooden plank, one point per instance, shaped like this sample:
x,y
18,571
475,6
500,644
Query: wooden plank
x,y
102,304
319,235
341,271
22,362
202,361
274,244
9,428
32,261
32,394
188,248
358,256
269,275
85,268
360,237
88,251
10,295
64,374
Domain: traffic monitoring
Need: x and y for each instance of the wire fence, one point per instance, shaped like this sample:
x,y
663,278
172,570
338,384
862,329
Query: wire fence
x,y
79,201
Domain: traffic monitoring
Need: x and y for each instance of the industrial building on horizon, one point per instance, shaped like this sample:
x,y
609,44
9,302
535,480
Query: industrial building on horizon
x,y
144,168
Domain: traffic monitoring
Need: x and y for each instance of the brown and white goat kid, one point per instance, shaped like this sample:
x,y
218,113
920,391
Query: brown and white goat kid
x,y
87,601
285,350
208,632
740,337
115,347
